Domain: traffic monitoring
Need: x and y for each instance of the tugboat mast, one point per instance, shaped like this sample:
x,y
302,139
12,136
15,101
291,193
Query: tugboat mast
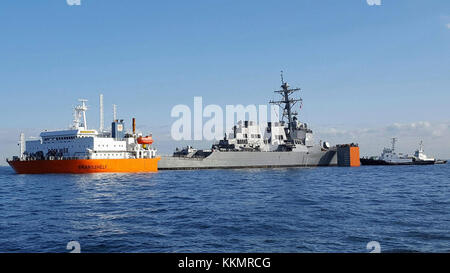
x,y
421,146
288,104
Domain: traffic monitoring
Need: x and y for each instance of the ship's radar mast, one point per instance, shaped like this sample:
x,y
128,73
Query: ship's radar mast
x,y
79,120
394,140
287,105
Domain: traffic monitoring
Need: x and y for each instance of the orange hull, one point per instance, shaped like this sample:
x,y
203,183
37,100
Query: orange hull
x,y
348,155
354,157
86,166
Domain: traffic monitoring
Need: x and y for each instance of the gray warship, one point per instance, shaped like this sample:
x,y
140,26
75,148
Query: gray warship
x,y
287,143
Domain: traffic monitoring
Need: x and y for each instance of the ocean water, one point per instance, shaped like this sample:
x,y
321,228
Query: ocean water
x,y
332,209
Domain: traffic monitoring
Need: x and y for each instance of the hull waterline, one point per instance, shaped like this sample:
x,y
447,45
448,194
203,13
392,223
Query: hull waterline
x,y
237,160
80,166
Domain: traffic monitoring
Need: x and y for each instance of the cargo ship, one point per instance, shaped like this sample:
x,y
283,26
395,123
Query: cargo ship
x,y
285,143
80,149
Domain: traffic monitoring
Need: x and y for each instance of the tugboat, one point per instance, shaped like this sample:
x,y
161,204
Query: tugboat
x,y
420,158
388,157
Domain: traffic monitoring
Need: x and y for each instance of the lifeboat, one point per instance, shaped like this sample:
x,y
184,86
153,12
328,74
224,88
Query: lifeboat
x,y
145,140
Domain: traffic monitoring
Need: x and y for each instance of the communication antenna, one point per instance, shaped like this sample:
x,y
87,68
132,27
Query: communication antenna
x,y
393,143
101,113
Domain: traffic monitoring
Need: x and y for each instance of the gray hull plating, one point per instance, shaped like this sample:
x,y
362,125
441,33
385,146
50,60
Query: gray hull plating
x,y
229,159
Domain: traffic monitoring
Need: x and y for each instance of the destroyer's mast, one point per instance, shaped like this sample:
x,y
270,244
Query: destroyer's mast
x,y
288,105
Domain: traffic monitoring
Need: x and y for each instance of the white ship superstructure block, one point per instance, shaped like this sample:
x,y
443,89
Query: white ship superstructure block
x,y
276,134
82,143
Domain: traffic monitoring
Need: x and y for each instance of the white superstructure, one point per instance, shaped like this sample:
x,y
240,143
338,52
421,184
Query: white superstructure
x,y
80,142
248,135
420,156
390,156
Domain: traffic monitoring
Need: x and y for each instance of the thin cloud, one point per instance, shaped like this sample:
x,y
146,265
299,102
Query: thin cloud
x,y
445,19
372,140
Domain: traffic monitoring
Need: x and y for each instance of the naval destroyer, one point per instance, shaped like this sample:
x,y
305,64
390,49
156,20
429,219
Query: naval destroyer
x,y
286,143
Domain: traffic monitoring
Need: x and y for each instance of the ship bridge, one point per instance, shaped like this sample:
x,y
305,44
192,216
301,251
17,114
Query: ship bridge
x,y
67,134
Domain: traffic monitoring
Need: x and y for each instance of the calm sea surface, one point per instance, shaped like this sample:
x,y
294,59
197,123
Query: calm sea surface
x,y
404,208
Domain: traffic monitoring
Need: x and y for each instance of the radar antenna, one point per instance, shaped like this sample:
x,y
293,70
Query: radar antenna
x,y
287,104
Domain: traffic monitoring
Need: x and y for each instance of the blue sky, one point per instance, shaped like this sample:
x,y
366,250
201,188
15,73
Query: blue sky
x,y
360,67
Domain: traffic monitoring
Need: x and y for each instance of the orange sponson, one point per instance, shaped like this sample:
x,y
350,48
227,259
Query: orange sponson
x,y
86,166
145,140
354,157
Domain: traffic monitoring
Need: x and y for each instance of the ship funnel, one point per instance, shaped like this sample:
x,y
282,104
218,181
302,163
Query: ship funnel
x,y
134,126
